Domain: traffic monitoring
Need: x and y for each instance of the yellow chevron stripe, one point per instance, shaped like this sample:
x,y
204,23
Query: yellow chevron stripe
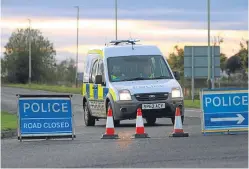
x,y
100,92
83,89
91,91
113,94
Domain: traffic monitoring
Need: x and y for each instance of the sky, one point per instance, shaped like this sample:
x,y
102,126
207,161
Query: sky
x,y
164,23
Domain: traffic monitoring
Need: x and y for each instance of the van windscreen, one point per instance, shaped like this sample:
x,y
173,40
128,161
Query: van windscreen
x,y
128,68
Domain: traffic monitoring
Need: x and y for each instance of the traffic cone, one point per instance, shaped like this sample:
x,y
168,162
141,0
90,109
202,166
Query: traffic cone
x,y
140,126
178,130
110,131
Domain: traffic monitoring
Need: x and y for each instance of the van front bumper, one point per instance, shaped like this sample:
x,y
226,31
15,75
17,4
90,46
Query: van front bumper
x,y
128,109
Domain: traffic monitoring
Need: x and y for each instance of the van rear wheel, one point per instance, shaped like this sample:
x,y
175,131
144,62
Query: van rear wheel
x,y
151,121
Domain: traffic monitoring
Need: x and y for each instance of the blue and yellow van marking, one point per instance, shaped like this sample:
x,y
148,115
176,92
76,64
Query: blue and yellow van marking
x,y
91,91
83,89
106,90
97,92
113,94
100,92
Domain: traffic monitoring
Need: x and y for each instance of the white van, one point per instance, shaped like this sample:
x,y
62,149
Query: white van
x,y
125,76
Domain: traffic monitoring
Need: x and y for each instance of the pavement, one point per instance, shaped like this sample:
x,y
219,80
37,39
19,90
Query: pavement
x,y
88,150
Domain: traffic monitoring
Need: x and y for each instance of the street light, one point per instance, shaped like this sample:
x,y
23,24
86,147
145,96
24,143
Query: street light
x,y
77,41
116,19
209,58
29,52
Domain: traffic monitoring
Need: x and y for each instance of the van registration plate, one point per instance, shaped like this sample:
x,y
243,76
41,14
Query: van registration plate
x,y
153,106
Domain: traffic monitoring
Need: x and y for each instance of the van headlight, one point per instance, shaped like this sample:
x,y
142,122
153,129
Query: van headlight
x,y
176,93
124,95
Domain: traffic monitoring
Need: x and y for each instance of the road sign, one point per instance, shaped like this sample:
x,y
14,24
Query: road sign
x,y
45,116
224,110
196,63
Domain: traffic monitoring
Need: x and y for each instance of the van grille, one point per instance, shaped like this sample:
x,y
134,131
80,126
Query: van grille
x,y
151,96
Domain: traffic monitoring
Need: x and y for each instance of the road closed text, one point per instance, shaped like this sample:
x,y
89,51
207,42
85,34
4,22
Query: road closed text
x,y
227,101
53,125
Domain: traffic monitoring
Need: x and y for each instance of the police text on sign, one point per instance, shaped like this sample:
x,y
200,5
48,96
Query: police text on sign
x,y
41,107
226,101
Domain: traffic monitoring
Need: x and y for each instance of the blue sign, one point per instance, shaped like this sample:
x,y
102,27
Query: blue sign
x,y
224,110
45,116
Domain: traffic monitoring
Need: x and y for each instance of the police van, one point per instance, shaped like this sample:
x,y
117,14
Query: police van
x,y
124,76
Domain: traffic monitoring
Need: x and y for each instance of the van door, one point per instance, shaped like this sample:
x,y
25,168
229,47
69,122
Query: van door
x,y
92,88
101,90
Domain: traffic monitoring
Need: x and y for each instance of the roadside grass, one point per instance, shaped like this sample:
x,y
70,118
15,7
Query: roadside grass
x,y
51,88
74,90
8,121
191,104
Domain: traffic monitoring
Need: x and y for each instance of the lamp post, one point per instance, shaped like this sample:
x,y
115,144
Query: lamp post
x,y
77,42
29,52
209,58
116,20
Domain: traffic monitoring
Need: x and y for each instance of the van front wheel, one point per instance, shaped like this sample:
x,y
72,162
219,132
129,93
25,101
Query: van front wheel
x,y
116,122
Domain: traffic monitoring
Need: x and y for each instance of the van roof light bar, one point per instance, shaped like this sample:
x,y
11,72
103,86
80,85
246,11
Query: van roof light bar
x,y
130,41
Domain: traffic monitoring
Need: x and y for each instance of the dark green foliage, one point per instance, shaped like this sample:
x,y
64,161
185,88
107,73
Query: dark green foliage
x,y
223,60
233,64
15,64
16,57
66,71
238,62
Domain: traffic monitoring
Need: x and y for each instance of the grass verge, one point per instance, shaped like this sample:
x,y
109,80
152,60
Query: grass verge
x,y
64,89
191,104
8,121
61,89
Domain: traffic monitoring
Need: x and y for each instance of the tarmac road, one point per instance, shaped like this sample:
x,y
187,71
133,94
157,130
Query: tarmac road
x,y
88,150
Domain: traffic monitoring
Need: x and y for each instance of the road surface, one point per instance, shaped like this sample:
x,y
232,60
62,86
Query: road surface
x,y
88,150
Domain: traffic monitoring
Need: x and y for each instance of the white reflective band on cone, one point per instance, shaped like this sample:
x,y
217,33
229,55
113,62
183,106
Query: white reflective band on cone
x,y
178,123
109,123
139,121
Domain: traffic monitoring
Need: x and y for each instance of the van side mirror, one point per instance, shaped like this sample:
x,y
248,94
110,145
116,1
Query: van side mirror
x,y
98,79
177,75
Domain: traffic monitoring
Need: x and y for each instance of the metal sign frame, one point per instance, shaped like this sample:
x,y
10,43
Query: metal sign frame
x,y
45,136
229,130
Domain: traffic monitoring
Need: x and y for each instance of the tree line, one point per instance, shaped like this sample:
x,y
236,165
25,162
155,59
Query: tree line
x,y
45,69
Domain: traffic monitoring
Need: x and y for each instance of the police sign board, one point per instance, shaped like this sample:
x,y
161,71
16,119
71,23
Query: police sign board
x,y
43,116
224,110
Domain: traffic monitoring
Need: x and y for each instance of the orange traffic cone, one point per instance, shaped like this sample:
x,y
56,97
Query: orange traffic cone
x,y
178,130
110,131
140,126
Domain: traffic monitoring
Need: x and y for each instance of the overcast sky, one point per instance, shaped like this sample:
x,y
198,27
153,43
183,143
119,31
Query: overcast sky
x,y
160,22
